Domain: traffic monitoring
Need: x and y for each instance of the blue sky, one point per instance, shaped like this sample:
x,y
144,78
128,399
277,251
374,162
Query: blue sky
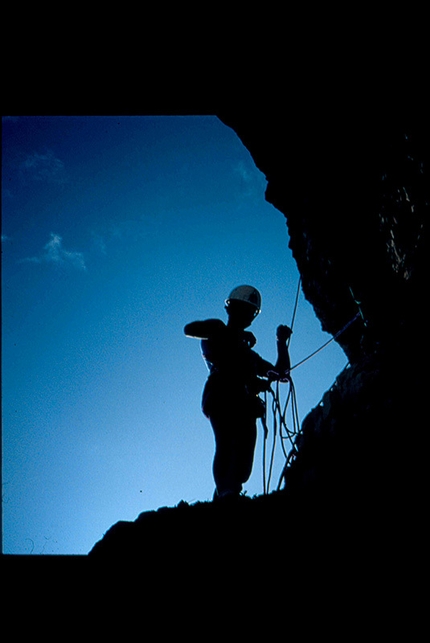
x,y
116,232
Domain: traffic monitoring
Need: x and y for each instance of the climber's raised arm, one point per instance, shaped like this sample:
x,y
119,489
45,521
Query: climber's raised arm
x,y
283,364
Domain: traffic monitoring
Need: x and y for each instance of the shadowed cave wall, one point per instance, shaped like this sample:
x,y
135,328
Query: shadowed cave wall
x,y
356,200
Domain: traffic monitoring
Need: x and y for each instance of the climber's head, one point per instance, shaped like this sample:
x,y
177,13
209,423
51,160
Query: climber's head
x,y
242,306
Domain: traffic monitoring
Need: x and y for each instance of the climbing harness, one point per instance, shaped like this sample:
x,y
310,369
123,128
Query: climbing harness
x,y
286,428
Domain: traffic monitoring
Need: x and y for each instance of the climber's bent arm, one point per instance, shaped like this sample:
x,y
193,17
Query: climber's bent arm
x,y
203,329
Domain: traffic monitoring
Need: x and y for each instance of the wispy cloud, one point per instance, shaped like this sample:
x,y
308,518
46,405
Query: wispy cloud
x,y
99,243
251,179
55,253
45,167
241,169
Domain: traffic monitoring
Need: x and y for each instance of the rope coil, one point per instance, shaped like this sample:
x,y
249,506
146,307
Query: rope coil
x,y
288,430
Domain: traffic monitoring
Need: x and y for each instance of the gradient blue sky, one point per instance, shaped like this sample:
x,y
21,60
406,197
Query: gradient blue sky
x,y
116,232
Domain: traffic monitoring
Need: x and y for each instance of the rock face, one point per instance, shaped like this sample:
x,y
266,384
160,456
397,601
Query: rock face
x,y
356,199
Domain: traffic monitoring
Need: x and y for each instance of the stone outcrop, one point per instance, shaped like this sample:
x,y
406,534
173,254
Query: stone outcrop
x,y
356,200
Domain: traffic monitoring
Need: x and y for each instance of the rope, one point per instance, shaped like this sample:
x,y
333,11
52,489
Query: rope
x,y
286,432
277,413
342,330
280,415
291,434
275,432
266,431
296,303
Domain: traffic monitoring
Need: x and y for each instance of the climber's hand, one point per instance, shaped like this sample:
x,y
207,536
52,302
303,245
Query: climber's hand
x,y
250,338
285,377
278,377
263,385
283,333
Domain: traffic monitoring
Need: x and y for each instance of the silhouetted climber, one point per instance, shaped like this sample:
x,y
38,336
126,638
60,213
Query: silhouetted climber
x,y
230,396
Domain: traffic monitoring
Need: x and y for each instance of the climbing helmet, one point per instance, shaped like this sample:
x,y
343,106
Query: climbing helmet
x,y
248,294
